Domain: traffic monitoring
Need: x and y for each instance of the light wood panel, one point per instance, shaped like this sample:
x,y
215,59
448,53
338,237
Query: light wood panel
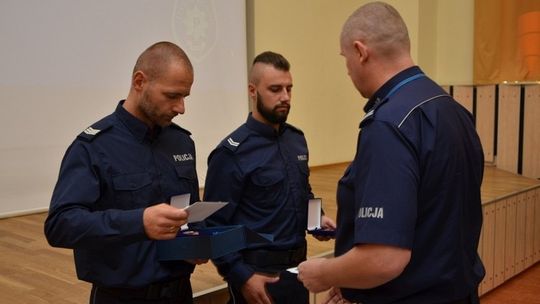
x,y
537,225
499,238
485,119
531,132
510,244
508,130
529,228
481,253
521,213
488,240
464,95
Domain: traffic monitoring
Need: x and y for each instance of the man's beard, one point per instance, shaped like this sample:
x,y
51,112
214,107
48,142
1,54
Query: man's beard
x,y
271,115
151,112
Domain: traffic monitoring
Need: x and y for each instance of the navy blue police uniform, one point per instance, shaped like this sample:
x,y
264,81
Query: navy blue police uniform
x,y
110,173
264,175
415,183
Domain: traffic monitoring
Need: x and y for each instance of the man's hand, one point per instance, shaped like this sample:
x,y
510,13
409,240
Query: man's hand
x,y
327,224
254,290
311,275
162,221
334,297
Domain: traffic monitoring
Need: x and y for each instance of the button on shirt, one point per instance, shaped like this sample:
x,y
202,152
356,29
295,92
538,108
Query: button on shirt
x,y
415,183
263,174
109,175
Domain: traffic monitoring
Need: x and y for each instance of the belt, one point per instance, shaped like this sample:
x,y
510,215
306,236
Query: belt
x,y
159,290
275,259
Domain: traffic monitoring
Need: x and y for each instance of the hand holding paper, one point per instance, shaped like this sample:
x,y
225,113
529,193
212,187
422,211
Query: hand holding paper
x,y
199,210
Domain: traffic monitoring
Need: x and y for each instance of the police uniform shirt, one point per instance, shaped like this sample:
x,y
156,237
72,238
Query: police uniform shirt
x,y
415,183
263,174
109,175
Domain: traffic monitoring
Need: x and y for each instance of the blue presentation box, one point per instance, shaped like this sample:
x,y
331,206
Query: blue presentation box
x,y
209,243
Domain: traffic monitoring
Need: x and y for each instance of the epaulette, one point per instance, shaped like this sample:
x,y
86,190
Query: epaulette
x,y
180,128
295,129
233,141
95,130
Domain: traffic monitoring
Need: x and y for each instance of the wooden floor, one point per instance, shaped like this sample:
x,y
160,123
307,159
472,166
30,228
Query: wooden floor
x,y
521,289
33,272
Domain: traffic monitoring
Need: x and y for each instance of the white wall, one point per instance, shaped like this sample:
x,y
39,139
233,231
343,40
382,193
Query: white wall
x,y
65,64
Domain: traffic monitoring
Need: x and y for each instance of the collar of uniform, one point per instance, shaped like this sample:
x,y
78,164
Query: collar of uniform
x,y
383,91
138,128
262,128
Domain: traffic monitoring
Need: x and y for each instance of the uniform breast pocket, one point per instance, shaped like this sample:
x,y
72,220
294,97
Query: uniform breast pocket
x,y
133,190
266,185
187,179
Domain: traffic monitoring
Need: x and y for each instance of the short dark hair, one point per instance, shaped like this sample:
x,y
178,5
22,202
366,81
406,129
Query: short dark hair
x,y
156,58
274,59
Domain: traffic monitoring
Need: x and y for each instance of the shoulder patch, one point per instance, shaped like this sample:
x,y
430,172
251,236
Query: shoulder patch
x,y
180,128
295,129
233,141
95,130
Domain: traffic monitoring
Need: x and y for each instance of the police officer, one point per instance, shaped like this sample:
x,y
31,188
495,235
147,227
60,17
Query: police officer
x,y
110,203
261,169
409,209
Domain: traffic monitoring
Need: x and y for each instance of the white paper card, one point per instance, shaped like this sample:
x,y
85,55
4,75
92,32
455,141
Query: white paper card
x,y
180,201
293,270
314,214
201,210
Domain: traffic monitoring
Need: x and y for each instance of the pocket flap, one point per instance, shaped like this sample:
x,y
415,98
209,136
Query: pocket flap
x,y
131,181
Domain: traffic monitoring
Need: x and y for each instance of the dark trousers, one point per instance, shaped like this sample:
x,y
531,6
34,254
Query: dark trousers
x,y
172,292
288,290
471,299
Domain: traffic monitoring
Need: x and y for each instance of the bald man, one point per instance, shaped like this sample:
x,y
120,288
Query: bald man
x,y
111,200
261,169
409,209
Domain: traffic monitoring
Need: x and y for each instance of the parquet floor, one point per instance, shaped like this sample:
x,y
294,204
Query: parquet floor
x,y
33,272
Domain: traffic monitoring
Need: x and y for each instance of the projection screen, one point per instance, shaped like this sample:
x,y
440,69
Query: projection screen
x,y
65,64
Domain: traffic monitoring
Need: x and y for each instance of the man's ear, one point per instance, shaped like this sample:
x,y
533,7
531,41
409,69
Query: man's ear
x,y
138,80
252,91
361,50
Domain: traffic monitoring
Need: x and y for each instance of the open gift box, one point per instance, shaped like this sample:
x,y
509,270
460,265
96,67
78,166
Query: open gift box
x,y
209,243
314,219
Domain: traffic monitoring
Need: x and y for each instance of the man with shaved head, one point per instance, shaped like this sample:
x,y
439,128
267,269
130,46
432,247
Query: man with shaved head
x,y
112,199
261,169
409,208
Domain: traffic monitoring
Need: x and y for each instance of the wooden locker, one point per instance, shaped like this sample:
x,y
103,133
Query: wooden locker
x,y
485,119
531,132
508,128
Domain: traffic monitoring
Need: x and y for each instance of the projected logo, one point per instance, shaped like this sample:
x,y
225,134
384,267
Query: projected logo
x,y
194,27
